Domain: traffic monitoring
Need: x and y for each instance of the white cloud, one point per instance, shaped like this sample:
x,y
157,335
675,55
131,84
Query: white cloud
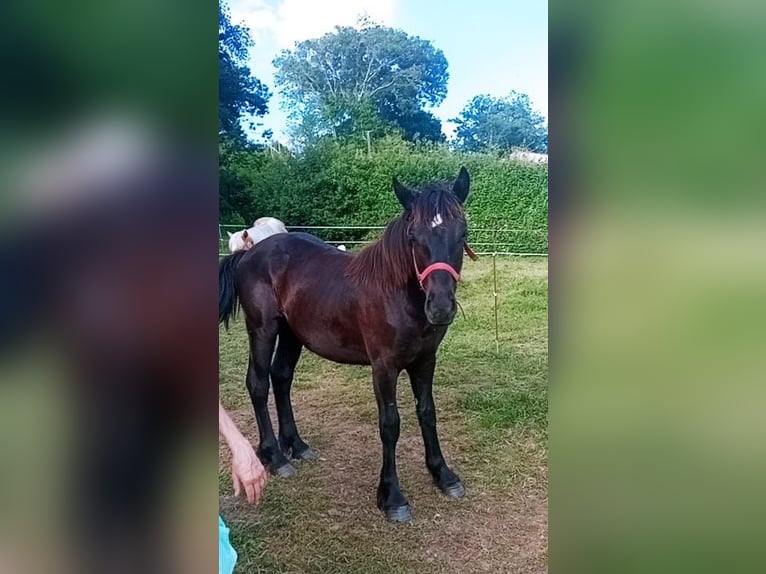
x,y
288,21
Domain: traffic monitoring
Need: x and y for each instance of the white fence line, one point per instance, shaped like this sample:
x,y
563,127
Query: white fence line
x,y
477,245
381,227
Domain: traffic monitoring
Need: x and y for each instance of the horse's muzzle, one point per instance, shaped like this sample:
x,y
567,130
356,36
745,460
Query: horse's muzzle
x,y
440,310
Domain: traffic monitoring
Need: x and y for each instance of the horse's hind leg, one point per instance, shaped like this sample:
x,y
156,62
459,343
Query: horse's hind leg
x,y
262,341
282,369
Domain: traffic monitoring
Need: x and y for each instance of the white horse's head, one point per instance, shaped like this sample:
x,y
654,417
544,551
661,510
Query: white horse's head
x,y
240,240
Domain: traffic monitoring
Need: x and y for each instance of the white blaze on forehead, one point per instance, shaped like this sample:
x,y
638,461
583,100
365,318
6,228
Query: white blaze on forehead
x,y
437,220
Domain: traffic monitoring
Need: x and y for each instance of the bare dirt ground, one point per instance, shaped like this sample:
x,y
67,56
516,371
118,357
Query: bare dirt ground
x,y
491,530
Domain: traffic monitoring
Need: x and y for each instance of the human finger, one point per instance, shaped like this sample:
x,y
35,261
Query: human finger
x,y
237,483
250,490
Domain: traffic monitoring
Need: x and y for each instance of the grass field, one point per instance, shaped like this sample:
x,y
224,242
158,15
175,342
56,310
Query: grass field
x,y
492,415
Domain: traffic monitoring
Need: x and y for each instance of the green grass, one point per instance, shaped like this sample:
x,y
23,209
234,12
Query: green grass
x,y
492,410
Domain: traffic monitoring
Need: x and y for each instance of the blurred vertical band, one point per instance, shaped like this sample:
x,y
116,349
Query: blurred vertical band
x,y
658,276
108,257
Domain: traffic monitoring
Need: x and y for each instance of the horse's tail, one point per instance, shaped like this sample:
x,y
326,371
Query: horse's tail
x,y
227,291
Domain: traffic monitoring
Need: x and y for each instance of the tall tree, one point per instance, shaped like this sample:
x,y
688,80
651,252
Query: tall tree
x,y
501,123
240,94
367,78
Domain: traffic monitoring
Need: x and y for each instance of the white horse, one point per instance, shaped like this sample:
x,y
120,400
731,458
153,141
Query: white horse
x,y
262,228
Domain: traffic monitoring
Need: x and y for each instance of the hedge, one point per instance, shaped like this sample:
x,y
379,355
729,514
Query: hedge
x,y
334,183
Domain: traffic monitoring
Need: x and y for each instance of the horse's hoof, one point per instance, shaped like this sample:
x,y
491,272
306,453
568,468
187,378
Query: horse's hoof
x,y
305,454
456,490
399,514
285,471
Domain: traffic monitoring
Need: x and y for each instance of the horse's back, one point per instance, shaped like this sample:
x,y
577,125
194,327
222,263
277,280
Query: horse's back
x,y
294,244
272,223
260,232
287,260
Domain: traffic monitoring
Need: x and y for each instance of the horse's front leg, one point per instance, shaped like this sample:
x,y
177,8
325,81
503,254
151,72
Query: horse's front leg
x,y
421,378
390,497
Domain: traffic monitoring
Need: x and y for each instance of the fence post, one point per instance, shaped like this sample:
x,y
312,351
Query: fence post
x,y
494,294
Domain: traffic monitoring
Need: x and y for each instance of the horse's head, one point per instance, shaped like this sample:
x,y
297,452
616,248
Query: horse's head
x,y
436,233
239,241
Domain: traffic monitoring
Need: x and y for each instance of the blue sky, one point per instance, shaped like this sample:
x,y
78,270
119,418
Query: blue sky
x,y
492,46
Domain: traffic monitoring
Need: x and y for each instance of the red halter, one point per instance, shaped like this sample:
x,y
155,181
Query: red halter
x,y
436,267
439,266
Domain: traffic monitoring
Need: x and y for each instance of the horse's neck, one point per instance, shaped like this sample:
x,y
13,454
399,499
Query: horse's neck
x,y
389,264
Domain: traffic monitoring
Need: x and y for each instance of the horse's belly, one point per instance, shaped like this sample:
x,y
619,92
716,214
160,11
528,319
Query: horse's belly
x,y
350,355
334,346
332,339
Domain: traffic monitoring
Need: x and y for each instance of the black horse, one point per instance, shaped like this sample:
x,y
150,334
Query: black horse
x,y
375,307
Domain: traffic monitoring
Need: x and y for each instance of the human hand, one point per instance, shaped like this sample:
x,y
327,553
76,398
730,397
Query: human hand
x,y
247,472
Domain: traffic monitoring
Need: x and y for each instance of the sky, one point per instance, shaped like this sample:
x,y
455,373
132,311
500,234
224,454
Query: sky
x,y
491,46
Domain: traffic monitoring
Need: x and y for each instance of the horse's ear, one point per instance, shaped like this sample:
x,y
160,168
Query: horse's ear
x,y
404,194
462,185
230,234
244,234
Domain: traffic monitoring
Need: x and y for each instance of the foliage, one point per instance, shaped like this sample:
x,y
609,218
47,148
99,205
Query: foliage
x,y
338,183
239,93
488,123
368,79
417,125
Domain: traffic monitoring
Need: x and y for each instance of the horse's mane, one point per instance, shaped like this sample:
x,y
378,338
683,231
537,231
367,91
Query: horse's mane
x,y
387,263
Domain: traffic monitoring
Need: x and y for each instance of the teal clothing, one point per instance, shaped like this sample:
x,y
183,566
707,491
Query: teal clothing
x,y
227,556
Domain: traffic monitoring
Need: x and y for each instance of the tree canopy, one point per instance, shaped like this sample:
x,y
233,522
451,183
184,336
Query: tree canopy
x,y
487,123
240,94
371,78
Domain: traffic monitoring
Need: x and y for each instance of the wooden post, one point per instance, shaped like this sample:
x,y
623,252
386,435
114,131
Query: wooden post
x,y
497,330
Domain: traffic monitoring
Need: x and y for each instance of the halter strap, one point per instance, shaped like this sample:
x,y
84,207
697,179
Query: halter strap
x,y
470,252
438,266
